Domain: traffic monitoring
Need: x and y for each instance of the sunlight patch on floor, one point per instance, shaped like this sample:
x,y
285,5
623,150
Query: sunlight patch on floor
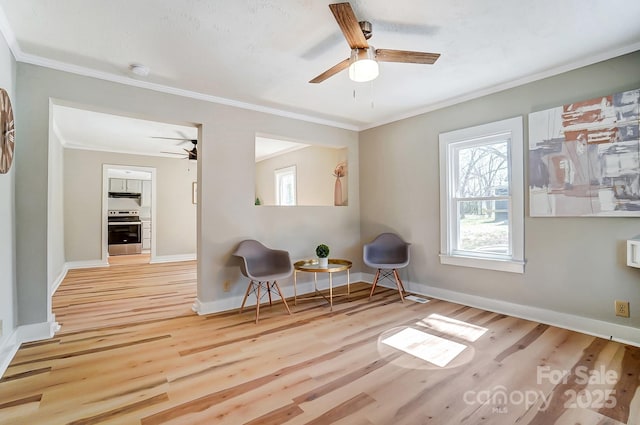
x,y
453,327
427,347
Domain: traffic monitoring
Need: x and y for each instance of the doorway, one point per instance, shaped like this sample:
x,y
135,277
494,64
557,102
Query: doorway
x,y
85,146
129,203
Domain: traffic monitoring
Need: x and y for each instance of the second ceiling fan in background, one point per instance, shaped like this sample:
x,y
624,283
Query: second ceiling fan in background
x,y
192,153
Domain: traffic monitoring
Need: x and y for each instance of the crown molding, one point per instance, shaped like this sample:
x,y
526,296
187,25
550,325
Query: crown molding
x,y
590,60
20,56
88,72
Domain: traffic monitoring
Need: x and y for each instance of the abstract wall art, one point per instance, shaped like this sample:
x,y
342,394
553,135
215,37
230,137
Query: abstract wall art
x,y
584,158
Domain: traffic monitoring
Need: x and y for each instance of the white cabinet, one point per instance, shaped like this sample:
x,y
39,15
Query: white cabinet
x,y
134,186
117,185
146,235
146,194
125,185
633,252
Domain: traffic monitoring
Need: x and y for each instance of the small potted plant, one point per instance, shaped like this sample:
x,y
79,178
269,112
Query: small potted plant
x,y
322,251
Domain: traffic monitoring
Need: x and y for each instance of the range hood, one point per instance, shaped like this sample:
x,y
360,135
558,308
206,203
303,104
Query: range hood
x,y
129,195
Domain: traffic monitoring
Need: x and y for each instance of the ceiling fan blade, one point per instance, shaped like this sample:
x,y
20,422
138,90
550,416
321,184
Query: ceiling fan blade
x,y
192,154
349,25
172,153
184,139
405,56
331,71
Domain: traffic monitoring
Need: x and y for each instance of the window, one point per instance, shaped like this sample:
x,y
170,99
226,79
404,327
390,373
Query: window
x,y
286,186
481,196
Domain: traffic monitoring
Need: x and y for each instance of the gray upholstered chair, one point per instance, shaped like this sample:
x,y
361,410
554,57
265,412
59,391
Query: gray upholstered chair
x,y
387,253
264,267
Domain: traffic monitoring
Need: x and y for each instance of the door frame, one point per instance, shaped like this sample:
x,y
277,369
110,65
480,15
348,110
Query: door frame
x,y
105,205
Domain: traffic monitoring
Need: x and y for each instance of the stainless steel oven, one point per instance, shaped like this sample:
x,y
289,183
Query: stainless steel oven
x,y
124,232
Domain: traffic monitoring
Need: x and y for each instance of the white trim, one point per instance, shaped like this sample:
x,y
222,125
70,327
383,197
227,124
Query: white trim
x,y
8,348
20,56
599,328
56,283
173,258
511,266
87,264
589,60
22,334
106,76
105,204
510,129
303,288
9,35
37,331
279,174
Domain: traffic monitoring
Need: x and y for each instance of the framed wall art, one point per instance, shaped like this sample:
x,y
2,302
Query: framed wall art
x,y
584,158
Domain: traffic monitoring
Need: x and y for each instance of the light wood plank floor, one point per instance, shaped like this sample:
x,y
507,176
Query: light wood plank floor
x,y
314,367
129,259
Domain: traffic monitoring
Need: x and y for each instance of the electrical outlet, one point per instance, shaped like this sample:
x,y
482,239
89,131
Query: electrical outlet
x,y
622,308
227,286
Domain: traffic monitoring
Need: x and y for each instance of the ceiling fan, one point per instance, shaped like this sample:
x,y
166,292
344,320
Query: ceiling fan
x,y
191,153
363,62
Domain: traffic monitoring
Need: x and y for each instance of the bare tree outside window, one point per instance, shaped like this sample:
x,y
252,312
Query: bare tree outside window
x,y
482,190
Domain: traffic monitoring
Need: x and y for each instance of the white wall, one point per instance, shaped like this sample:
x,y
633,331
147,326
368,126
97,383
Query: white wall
x,y
7,214
314,173
226,175
574,265
175,215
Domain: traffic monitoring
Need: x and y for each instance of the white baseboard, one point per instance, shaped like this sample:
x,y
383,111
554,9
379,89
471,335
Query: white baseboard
x,y
56,283
24,333
172,258
70,265
304,286
8,348
620,333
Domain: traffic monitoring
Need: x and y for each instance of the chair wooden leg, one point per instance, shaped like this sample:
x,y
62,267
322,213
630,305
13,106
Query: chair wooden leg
x,y
269,291
375,282
258,302
246,294
399,284
281,296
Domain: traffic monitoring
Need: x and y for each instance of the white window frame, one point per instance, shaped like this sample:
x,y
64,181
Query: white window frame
x,y
512,130
279,174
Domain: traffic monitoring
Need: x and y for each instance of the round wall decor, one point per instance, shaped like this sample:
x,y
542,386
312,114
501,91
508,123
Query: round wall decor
x,y
7,136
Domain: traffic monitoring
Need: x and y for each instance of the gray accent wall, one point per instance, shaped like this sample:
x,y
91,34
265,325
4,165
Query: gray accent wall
x,y
8,295
226,176
574,265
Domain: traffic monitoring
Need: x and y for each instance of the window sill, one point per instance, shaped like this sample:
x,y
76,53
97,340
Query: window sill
x,y
511,266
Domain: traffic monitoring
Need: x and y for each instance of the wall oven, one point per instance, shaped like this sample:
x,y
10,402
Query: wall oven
x,y
124,232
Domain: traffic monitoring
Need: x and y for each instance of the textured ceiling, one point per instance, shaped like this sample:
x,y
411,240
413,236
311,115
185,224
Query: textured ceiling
x,y
262,53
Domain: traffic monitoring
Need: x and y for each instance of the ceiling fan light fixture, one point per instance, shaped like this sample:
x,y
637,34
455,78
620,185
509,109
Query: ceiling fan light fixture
x,y
363,66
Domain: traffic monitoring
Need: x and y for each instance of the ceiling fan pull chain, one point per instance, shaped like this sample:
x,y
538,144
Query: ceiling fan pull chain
x,y
373,95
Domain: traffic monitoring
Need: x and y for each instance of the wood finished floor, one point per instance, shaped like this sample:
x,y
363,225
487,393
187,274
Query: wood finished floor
x,y
313,367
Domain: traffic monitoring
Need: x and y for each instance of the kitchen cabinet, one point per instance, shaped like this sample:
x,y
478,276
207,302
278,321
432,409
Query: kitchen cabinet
x,y
146,194
117,185
125,185
134,186
146,235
